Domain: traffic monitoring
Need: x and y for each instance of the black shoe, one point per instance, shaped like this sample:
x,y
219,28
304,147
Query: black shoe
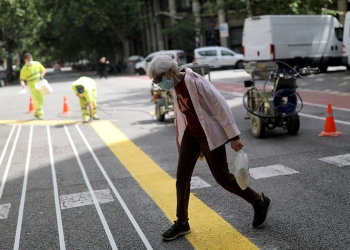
x,y
176,230
261,211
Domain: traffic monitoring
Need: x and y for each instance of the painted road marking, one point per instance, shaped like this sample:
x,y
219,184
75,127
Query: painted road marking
x,y
197,182
24,190
9,161
339,160
323,118
4,211
209,229
88,184
85,198
116,193
40,122
6,145
271,171
55,192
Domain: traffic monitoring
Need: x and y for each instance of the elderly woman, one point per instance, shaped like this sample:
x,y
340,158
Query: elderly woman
x,y
204,124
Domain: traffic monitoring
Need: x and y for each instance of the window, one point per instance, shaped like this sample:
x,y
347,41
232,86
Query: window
x,y
171,55
149,59
181,56
183,5
207,52
226,53
339,33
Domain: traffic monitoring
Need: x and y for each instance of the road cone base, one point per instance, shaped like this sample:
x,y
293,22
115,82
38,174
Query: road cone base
x,y
31,112
66,112
336,133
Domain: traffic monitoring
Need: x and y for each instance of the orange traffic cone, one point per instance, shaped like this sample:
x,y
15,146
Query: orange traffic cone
x,y
329,126
31,106
66,109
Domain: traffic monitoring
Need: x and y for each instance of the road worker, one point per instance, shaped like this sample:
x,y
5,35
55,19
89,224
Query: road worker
x,y
31,73
85,89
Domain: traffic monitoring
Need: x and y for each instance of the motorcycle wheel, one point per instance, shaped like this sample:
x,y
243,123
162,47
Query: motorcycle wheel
x,y
257,125
159,103
293,124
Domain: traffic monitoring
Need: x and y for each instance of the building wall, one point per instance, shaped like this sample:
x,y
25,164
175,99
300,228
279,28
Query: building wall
x,y
162,13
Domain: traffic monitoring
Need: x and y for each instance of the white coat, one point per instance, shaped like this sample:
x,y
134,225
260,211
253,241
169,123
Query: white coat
x,y
212,110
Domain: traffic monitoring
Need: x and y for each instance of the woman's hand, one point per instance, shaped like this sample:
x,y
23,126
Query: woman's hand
x,y
237,145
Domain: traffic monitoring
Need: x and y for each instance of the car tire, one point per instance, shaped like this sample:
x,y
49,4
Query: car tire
x,y
239,65
141,71
2,83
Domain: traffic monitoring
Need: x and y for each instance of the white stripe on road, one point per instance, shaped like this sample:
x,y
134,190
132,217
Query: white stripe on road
x,y
271,171
24,189
323,118
85,199
116,193
197,182
98,208
55,192
339,160
4,178
325,106
4,209
6,144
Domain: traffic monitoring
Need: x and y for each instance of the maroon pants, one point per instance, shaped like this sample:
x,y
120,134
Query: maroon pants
x,y
189,152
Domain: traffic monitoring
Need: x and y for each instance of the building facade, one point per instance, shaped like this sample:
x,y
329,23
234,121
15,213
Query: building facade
x,y
159,14
156,15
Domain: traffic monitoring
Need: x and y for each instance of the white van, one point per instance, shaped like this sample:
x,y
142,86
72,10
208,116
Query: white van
x,y
218,57
299,40
178,55
346,41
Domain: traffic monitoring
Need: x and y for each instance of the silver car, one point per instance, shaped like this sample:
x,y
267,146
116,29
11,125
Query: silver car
x,y
218,57
178,55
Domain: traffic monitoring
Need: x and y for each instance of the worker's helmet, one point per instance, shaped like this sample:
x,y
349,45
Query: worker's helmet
x,y
80,89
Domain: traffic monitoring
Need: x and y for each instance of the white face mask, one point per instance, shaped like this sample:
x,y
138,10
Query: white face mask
x,y
29,63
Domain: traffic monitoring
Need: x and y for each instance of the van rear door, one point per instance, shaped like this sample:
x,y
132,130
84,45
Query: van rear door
x,y
346,40
257,39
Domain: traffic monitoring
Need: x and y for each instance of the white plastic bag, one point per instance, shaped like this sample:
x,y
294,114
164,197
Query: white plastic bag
x,y
44,87
241,169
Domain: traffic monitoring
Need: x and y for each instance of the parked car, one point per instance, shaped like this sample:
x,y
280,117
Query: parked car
x,y
57,67
178,55
2,77
218,57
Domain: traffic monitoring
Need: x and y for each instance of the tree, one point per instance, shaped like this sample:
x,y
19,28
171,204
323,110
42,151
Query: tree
x,y
69,29
182,34
245,8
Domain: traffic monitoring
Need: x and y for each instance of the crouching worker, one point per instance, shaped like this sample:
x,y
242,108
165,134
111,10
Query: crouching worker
x,y
85,89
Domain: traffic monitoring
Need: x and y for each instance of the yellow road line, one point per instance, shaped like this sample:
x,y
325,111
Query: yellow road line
x,y
209,230
39,122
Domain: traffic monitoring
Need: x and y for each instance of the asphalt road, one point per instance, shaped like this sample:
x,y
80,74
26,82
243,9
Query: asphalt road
x,y
111,184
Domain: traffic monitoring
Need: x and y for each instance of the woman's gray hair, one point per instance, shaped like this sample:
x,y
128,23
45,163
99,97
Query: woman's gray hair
x,y
160,64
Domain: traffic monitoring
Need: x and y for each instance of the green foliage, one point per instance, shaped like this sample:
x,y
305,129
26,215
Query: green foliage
x,y
182,33
71,30
243,8
63,28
